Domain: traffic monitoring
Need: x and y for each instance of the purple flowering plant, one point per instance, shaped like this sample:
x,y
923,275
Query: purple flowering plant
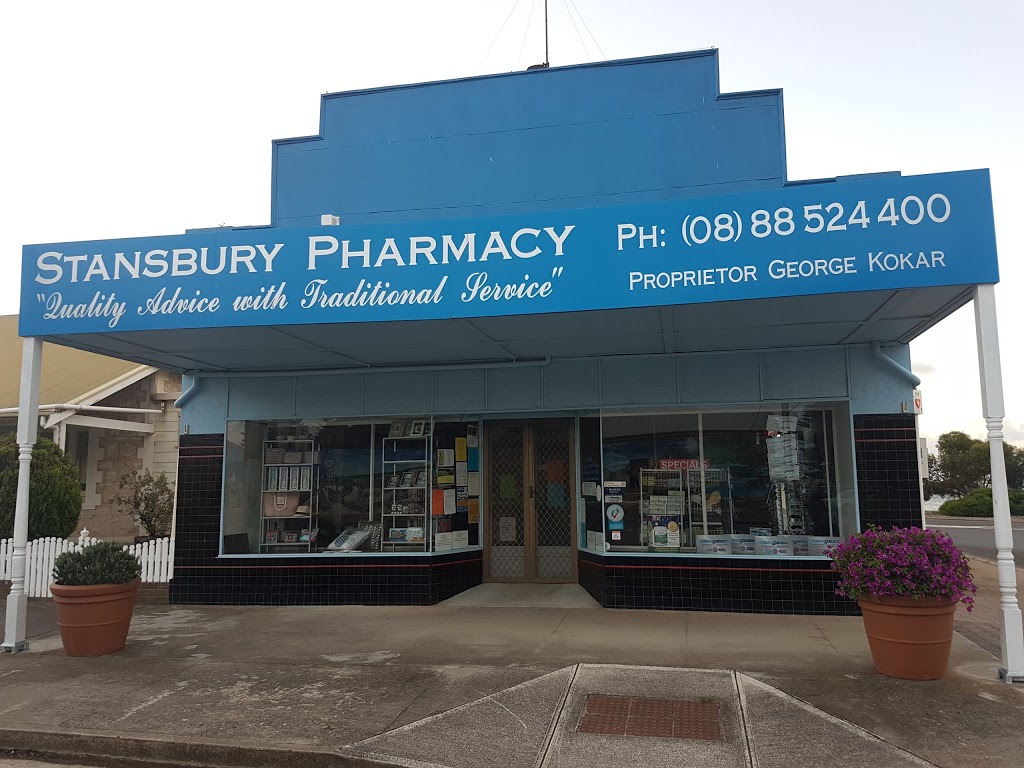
x,y
902,562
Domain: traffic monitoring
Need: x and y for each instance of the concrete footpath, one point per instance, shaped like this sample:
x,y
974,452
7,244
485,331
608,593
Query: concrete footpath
x,y
551,681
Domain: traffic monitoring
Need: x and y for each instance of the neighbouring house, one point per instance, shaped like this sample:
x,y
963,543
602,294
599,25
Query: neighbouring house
x,y
111,416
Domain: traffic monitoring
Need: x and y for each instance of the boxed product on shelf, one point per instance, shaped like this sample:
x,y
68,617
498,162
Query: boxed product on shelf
x,y
713,545
817,546
664,531
773,545
412,535
741,544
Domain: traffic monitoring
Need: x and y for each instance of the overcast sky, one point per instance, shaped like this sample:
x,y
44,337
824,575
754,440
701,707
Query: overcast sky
x,y
135,118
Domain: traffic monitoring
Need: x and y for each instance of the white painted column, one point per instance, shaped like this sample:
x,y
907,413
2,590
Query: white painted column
x,y
28,426
992,407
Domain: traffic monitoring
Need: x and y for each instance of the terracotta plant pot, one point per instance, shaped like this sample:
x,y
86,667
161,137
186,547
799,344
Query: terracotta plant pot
x,y
94,620
910,639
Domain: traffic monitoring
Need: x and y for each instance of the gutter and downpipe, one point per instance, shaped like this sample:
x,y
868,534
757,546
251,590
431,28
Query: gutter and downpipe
x,y
76,407
51,414
905,373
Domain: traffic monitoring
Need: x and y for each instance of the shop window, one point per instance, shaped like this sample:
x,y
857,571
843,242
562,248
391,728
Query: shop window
x,y
744,483
319,486
645,459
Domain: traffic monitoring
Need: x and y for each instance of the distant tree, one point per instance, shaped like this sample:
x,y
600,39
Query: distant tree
x,y
979,504
962,465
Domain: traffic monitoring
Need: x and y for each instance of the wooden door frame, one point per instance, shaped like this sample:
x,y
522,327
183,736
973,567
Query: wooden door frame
x,y
529,506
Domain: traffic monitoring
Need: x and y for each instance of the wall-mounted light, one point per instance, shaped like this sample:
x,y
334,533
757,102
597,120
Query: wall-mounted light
x,y
329,220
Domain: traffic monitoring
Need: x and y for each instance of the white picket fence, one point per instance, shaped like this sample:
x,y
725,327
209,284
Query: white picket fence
x,y
156,558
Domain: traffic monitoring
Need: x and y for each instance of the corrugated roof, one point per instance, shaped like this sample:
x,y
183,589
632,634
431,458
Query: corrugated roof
x,y
68,374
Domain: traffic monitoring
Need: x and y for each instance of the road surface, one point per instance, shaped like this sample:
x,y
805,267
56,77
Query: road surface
x,y
976,537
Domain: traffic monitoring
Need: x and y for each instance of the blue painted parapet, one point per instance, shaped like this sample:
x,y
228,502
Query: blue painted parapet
x,y
618,132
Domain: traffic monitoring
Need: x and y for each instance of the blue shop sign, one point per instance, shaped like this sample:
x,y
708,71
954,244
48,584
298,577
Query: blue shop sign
x,y
879,233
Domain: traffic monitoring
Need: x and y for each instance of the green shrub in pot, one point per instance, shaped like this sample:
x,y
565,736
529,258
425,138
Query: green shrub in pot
x,y
104,563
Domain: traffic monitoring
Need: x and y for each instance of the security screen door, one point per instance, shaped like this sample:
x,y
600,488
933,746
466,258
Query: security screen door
x,y
531,490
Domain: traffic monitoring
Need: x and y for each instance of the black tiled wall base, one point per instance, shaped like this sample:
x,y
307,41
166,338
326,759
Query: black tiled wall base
x,y
362,580
714,584
888,474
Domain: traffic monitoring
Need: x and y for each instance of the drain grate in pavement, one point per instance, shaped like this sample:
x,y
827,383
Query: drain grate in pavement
x,y
664,718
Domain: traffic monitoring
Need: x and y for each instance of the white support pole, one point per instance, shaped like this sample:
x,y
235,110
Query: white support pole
x,y
992,407
28,426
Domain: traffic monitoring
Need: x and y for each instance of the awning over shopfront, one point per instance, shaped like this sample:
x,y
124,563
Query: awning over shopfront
x,y
876,259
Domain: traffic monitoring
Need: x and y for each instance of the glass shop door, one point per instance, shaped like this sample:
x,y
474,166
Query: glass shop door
x,y
530,479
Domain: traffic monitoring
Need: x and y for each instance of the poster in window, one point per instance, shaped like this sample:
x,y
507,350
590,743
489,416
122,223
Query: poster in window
x,y
508,488
557,495
507,530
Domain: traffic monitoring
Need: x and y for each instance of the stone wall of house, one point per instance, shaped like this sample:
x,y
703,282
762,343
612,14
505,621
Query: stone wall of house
x,y
118,453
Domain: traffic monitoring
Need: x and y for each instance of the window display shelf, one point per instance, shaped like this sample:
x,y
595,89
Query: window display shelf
x,y
405,482
288,484
662,514
288,544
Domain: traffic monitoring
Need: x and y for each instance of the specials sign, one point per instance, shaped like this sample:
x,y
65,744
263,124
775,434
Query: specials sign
x,y
886,232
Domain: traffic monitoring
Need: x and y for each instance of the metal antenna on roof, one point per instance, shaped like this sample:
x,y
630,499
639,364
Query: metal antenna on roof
x,y
547,58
